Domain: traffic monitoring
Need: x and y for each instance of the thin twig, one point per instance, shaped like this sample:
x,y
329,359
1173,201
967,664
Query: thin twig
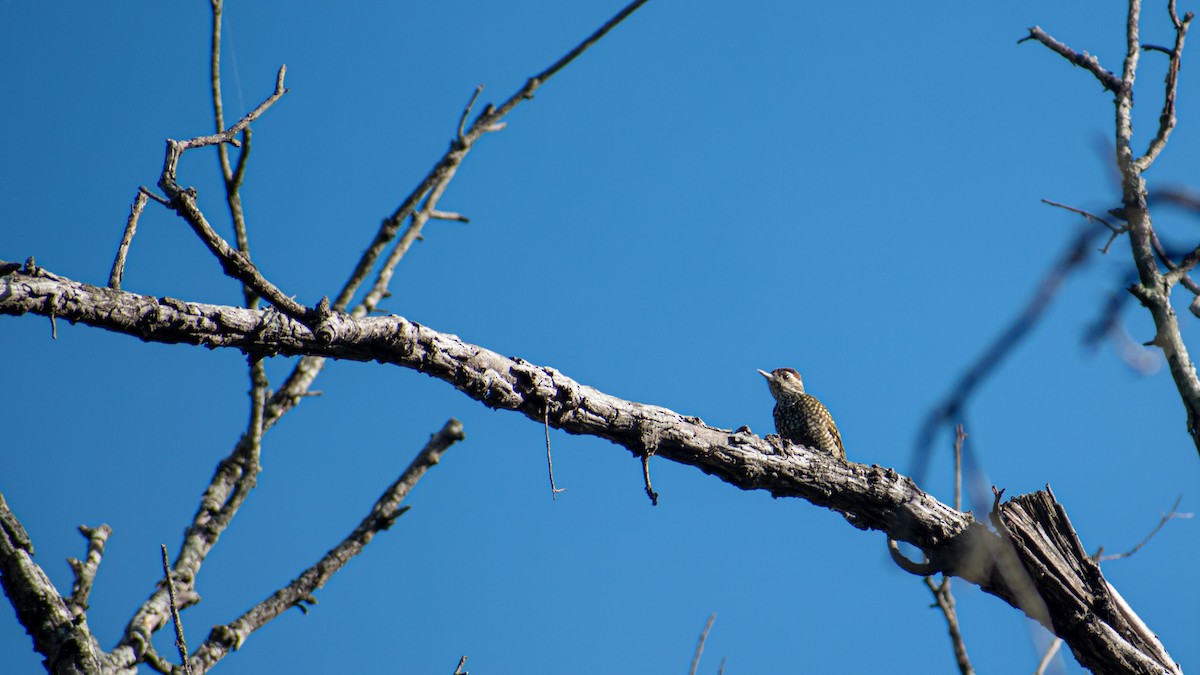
x,y
135,212
308,368
945,601
448,215
227,135
1092,218
646,477
700,645
959,437
488,121
1179,272
214,71
1048,656
925,568
1166,120
183,201
951,409
232,177
942,593
180,642
85,570
540,79
52,301
235,477
1174,513
1084,60
554,490
1176,272
462,121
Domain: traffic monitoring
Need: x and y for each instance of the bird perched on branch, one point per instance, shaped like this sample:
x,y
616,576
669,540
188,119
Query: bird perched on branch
x,y
801,418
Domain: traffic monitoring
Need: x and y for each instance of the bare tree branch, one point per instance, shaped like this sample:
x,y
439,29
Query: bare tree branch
x,y
1166,120
297,386
232,177
66,643
135,213
1154,288
951,409
1167,517
180,641
1113,638
85,570
878,498
944,599
943,596
489,120
1086,61
700,645
224,639
1048,656
184,202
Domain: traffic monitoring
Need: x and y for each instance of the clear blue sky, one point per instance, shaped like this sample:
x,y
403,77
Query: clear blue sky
x,y
851,189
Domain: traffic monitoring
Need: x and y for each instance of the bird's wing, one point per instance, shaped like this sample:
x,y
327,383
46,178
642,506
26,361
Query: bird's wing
x,y
831,427
837,436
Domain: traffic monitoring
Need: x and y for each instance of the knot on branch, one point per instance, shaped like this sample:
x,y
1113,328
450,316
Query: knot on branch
x,y
323,323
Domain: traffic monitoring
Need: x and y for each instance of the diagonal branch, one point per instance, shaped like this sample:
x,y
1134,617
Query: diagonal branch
x,y
491,119
236,475
296,387
878,498
57,632
232,177
1154,288
1166,120
224,639
236,263
85,570
1086,61
949,410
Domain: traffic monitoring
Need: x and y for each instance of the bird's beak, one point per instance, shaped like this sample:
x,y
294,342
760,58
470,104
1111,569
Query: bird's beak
x,y
764,374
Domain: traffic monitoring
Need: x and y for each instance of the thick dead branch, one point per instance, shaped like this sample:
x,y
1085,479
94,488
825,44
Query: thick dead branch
x,y
66,643
1086,612
878,498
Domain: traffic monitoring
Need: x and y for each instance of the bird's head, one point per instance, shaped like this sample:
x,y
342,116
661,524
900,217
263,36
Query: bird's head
x,y
783,382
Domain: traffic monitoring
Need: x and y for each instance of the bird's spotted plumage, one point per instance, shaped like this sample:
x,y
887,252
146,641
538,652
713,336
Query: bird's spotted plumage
x,y
801,418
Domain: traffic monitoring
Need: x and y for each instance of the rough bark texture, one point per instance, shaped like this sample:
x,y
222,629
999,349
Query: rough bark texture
x,y
1051,580
1084,610
39,607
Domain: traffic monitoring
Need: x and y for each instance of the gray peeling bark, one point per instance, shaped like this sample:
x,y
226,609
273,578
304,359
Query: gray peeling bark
x,y
39,607
871,497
